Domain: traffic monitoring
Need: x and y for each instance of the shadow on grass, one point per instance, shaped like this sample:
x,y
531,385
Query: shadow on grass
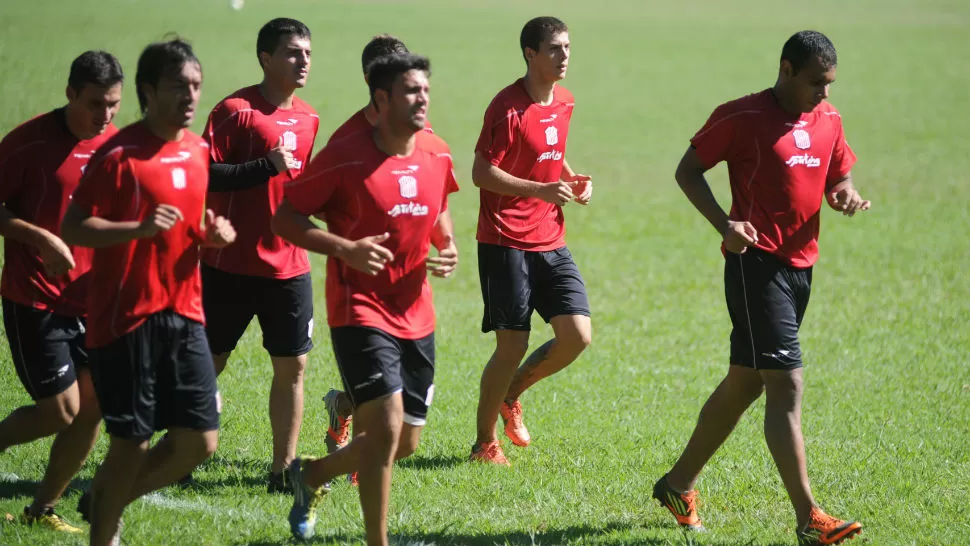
x,y
584,533
12,489
436,462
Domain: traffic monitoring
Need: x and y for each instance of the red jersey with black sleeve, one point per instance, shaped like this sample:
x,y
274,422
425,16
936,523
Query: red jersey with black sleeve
x,y
243,127
780,165
41,162
358,122
129,176
526,140
360,191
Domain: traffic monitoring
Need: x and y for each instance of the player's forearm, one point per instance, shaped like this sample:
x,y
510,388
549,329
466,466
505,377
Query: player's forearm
x,y
302,232
567,171
20,230
232,177
489,177
699,193
444,231
79,229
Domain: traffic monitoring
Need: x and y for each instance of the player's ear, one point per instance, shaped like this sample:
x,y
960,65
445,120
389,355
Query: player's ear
x,y
70,93
381,98
264,59
786,69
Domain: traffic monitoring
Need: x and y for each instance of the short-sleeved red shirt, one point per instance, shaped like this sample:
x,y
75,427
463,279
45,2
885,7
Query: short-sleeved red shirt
x,y
360,191
41,162
527,140
779,165
358,122
127,178
241,128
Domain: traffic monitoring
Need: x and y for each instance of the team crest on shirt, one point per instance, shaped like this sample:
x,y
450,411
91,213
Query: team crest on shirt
x,y
409,186
289,140
552,136
178,178
802,140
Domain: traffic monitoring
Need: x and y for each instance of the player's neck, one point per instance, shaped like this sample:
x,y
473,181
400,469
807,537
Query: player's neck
x,y
163,130
781,97
74,126
393,144
540,91
370,114
277,96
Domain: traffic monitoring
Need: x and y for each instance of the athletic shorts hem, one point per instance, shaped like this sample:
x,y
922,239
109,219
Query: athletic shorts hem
x,y
578,312
515,327
289,354
415,421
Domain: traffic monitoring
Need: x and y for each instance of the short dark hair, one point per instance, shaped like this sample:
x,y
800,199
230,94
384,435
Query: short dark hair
x,y
269,36
384,70
379,46
803,46
538,30
98,68
160,59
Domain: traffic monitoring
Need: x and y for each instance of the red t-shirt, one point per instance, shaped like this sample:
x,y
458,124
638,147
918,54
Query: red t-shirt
x,y
360,191
358,122
241,128
780,165
127,178
41,162
526,140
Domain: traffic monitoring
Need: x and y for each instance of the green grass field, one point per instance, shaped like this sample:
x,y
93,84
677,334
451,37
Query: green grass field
x,y
887,336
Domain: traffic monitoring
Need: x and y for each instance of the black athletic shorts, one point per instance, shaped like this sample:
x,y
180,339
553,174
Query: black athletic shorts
x,y
284,308
156,377
374,364
767,299
45,348
516,282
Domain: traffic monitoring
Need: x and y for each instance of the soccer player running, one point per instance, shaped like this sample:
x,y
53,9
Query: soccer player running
x,y
339,406
140,206
786,151
45,281
384,197
523,261
260,137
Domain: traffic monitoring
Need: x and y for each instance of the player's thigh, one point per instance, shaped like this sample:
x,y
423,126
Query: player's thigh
x,y
230,303
369,361
41,348
417,374
188,397
764,312
285,315
124,379
506,289
558,287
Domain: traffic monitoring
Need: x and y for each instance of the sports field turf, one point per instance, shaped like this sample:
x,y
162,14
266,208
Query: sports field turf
x,y
886,338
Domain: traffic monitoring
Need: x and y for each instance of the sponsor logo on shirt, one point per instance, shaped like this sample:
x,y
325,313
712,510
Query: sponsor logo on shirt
x,y
409,186
799,123
82,156
287,122
409,209
178,178
804,159
802,140
550,119
183,156
552,136
554,155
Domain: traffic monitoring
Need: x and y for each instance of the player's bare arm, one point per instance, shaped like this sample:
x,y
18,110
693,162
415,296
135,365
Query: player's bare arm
x,y
443,239
582,184
219,232
53,252
844,197
738,236
365,254
491,178
81,229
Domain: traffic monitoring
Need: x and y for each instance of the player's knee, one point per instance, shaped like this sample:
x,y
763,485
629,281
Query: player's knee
x,y
576,341
512,349
406,448
60,411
